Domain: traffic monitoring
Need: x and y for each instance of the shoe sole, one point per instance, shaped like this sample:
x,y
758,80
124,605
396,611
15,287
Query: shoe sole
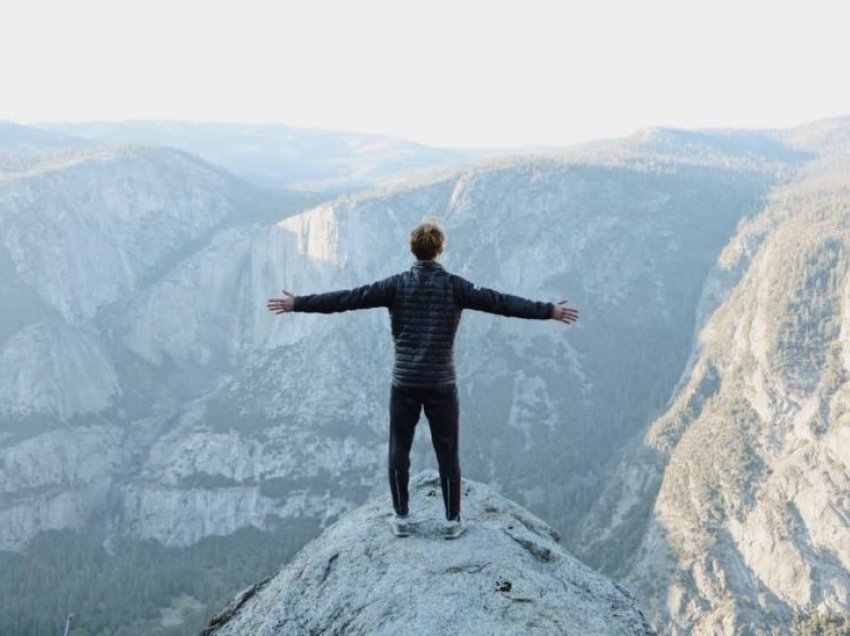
x,y
399,532
454,535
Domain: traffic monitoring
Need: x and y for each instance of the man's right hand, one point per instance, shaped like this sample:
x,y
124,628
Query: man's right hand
x,y
281,305
564,312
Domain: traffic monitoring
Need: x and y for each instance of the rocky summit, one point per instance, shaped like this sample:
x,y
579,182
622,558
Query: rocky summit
x,y
507,574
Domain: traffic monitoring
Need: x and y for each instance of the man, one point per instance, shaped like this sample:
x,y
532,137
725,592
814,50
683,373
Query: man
x,y
425,305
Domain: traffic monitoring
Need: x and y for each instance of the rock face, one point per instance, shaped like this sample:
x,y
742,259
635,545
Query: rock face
x,y
508,574
732,515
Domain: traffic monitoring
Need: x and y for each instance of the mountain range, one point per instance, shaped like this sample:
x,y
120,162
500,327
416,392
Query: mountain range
x,y
686,436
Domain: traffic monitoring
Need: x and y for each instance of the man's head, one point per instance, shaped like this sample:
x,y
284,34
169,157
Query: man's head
x,y
426,240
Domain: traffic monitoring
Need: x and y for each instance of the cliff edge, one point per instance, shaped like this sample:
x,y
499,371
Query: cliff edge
x,y
508,574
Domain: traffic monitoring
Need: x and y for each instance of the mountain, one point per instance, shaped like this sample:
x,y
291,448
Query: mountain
x,y
14,137
23,148
279,156
605,236
508,574
732,514
153,412
80,234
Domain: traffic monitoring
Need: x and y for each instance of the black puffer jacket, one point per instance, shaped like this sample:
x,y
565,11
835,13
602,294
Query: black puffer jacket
x,y
425,304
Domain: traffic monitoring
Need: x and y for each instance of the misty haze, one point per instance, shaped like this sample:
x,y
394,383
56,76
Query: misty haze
x,y
175,458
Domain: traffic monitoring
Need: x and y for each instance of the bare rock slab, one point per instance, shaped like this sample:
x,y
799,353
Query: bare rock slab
x,y
507,574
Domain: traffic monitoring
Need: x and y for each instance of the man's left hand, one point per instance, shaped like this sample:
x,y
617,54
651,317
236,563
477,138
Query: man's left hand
x,y
564,313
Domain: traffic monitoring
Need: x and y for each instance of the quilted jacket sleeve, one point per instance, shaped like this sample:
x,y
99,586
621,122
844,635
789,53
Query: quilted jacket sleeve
x,y
378,294
471,296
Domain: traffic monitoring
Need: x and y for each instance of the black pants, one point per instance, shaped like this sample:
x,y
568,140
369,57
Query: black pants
x,y
441,409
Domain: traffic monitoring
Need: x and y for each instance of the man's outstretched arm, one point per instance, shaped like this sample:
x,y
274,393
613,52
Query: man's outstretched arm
x,y
377,294
471,296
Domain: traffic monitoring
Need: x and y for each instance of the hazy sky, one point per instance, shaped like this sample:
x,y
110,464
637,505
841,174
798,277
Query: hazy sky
x,y
453,73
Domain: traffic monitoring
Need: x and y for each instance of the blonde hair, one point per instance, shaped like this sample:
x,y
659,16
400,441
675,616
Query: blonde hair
x,y
426,239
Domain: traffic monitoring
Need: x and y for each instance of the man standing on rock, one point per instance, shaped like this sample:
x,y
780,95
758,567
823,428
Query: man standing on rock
x,y
425,305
